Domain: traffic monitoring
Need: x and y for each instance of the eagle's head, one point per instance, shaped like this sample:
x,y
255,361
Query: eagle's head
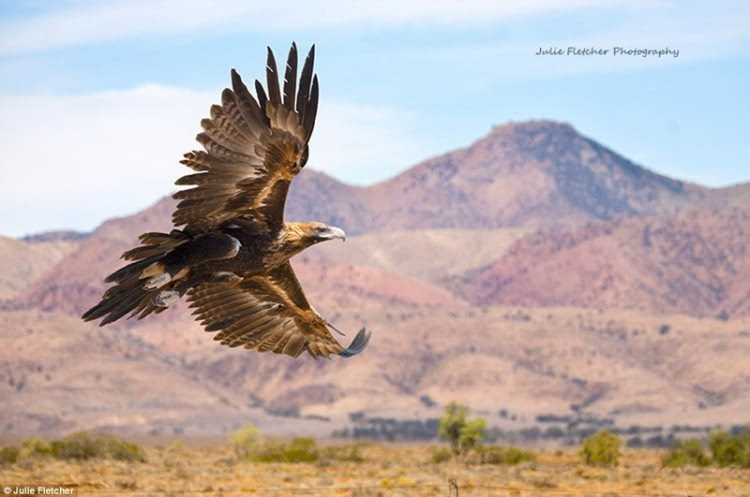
x,y
320,232
299,236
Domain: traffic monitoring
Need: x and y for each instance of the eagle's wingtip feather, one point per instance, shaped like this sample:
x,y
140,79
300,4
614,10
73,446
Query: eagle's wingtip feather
x,y
359,343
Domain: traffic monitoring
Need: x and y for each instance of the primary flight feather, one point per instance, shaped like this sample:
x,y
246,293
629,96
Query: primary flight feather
x,y
231,254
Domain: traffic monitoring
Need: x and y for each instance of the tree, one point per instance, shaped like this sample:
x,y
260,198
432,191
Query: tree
x,y
462,434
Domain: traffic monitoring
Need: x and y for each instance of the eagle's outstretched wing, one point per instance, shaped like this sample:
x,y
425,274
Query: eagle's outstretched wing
x,y
253,150
268,313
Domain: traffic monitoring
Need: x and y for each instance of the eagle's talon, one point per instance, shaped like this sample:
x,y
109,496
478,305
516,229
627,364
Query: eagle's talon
x,y
158,281
165,298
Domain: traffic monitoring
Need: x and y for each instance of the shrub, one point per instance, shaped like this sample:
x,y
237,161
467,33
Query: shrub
x,y
9,454
79,445
124,451
499,455
688,452
440,455
517,456
601,449
86,445
245,441
34,447
248,444
462,434
299,450
730,450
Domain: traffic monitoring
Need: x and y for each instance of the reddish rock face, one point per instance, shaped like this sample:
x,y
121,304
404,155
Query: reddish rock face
x,y
692,263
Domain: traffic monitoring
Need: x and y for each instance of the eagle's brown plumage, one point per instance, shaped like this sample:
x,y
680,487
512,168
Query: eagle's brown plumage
x,y
231,256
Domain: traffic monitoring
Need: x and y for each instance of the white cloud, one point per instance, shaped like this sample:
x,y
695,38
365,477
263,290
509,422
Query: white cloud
x,y
72,161
366,143
88,22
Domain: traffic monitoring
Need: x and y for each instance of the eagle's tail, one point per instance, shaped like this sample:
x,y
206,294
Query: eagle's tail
x,y
138,289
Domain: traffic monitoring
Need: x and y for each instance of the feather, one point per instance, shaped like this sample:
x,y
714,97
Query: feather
x,y
312,108
262,98
233,112
155,238
303,94
218,150
250,109
272,79
295,345
131,269
290,78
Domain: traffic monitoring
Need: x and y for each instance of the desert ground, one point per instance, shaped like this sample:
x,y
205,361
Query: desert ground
x,y
176,469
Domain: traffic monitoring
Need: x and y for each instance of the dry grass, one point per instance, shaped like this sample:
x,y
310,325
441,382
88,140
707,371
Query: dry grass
x,y
386,470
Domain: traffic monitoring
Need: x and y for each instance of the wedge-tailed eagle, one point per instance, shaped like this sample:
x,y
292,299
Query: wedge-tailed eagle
x,y
231,253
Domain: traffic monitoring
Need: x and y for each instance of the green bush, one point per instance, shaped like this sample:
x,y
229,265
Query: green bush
x,y
35,447
248,444
9,454
299,450
494,454
462,434
83,445
124,451
79,445
441,455
601,449
517,456
730,450
688,452
245,441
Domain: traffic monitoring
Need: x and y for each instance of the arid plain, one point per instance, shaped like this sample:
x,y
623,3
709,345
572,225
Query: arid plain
x,y
385,470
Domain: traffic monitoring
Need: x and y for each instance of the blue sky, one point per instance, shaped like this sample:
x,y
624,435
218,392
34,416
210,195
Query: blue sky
x,y
99,99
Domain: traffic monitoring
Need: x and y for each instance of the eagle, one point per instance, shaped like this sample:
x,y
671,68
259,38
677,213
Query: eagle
x,y
230,248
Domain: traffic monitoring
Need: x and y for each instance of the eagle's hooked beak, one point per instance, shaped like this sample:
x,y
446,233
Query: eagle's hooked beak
x,y
333,232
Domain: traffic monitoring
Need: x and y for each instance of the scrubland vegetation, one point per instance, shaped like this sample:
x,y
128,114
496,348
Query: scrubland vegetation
x,y
250,462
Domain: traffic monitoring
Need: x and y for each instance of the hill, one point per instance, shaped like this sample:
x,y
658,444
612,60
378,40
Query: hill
x,y
22,263
695,262
536,173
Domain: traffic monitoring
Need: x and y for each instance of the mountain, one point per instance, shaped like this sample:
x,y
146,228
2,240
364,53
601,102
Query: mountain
x,y
536,173
533,272
695,262
23,262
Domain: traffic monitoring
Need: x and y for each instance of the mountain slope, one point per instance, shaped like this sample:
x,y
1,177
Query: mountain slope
x,y
536,173
696,262
22,262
